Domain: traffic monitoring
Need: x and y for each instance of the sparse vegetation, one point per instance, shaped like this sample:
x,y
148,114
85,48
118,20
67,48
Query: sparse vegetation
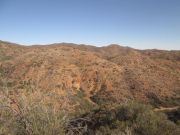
x,y
20,118
168,101
35,120
84,90
24,116
128,119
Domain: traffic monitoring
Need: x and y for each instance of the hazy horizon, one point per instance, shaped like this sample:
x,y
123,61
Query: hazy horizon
x,y
138,24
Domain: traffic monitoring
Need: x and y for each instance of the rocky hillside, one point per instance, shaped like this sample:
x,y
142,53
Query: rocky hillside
x,y
103,74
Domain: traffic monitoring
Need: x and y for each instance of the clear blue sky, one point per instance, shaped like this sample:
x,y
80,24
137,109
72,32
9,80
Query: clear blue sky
x,y
135,23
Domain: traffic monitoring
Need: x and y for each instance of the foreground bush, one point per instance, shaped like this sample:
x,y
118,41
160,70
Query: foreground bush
x,y
36,121
133,118
30,117
144,121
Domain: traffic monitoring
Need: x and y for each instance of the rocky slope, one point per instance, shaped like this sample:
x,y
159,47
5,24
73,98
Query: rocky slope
x,y
104,74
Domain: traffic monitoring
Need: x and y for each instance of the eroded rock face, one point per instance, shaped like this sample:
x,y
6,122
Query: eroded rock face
x,y
121,73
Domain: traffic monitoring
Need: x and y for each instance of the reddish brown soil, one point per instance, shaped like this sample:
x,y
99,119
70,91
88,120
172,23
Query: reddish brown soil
x,y
111,73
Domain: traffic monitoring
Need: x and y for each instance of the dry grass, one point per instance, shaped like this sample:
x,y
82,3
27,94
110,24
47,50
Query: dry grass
x,y
30,114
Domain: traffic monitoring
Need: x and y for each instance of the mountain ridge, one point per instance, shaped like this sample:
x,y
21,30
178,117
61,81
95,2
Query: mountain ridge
x,y
104,74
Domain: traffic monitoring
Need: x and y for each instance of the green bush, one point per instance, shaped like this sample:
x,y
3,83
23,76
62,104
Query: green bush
x,y
42,119
138,118
37,121
144,121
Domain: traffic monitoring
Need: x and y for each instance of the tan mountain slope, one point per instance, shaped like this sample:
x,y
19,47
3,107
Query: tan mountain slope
x,y
103,74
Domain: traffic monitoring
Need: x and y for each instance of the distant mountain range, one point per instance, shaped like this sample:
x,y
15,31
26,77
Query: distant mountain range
x,y
105,75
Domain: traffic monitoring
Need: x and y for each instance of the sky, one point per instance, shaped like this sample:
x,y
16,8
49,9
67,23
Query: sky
x,y
141,24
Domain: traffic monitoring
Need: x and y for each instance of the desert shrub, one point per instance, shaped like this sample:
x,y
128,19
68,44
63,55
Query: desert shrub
x,y
102,97
84,105
28,115
107,131
144,121
5,58
165,101
138,118
37,120
174,115
25,117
